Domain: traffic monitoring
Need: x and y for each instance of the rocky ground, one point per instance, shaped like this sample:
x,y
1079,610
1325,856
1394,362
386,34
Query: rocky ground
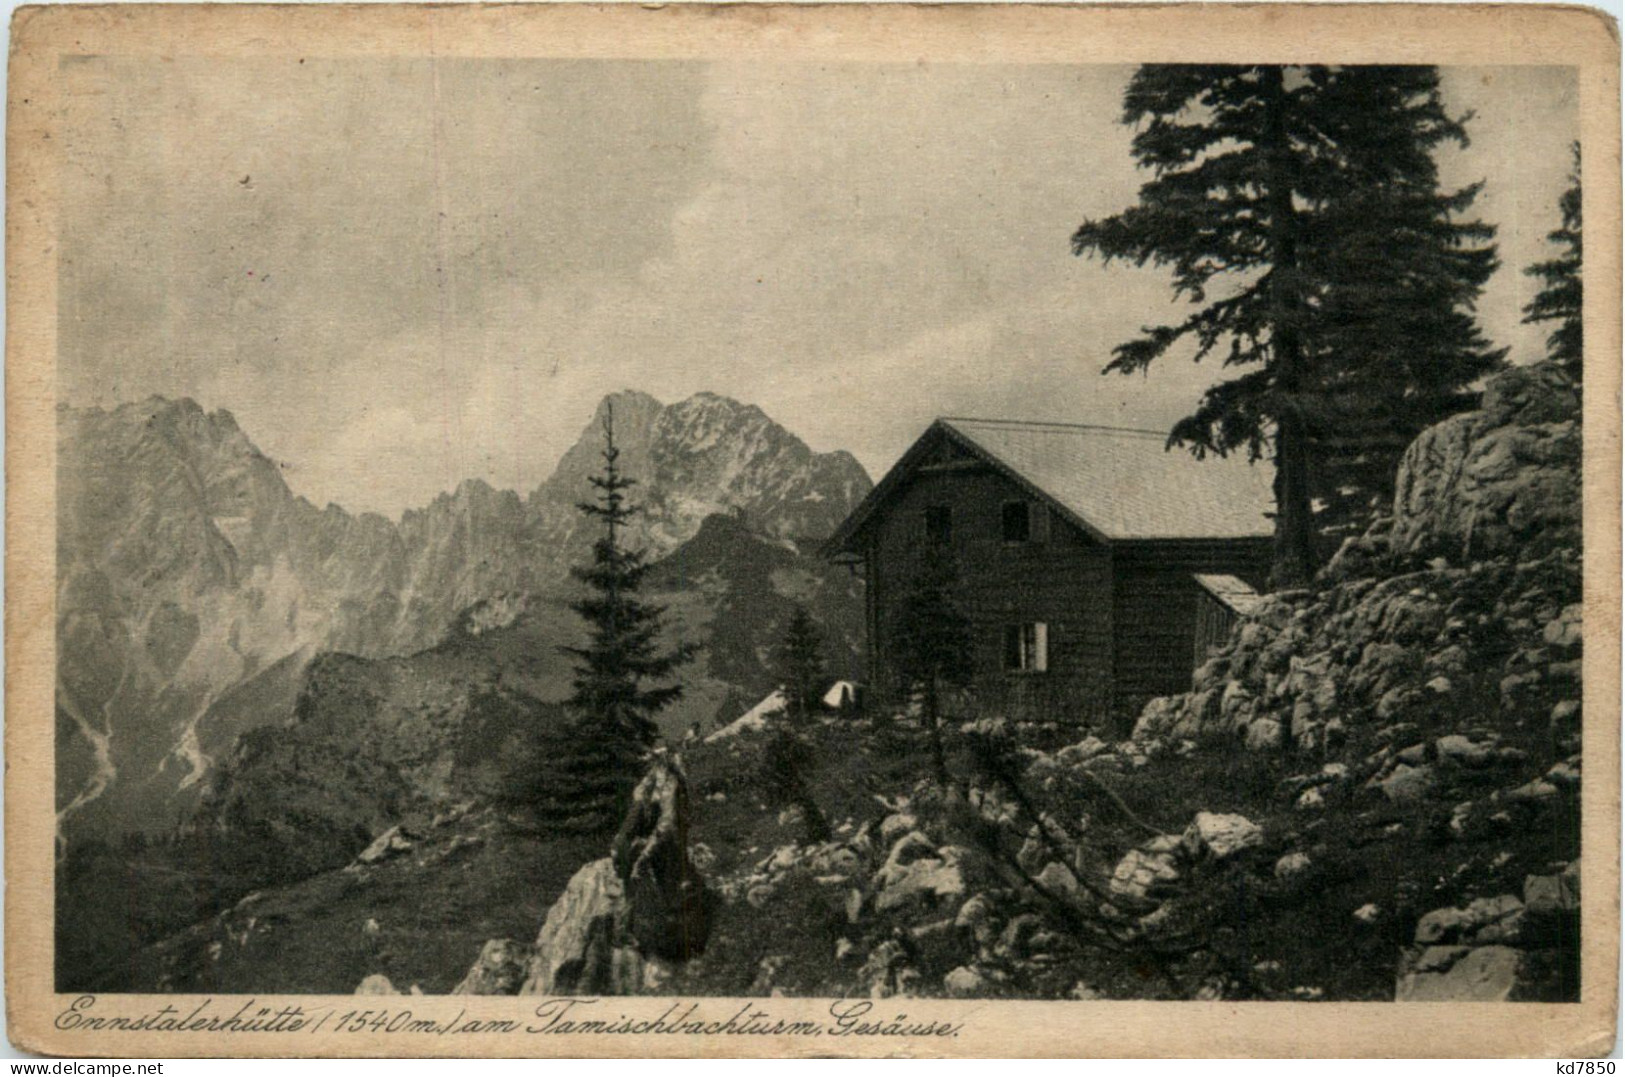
x,y
1371,793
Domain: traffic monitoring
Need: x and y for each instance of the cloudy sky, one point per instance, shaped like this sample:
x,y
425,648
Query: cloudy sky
x,y
400,274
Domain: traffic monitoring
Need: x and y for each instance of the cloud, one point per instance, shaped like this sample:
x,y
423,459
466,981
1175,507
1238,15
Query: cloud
x,y
402,273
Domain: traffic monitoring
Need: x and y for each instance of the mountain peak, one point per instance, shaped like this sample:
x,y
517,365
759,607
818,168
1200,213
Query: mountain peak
x,y
629,404
706,397
707,454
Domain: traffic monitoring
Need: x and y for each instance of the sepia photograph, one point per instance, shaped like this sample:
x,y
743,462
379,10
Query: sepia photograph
x,y
783,527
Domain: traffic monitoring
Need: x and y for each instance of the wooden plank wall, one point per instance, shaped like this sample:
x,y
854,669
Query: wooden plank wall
x,y
1214,620
1155,604
1063,581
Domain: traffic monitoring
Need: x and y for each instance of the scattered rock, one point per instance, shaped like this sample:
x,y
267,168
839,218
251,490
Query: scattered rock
x,y
767,973
917,871
1221,836
963,982
1539,789
1082,751
1057,878
1449,925
1463,751
1551,895
1142,874
500,969
377,984
1414,756
391,843
976,910
1459,974
1407,784
895,826
1264,735
1563,631
1018,934
1292,867
886,973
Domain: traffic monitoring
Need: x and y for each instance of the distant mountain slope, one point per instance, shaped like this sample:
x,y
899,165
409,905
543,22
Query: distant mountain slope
x,y
194,586
369,738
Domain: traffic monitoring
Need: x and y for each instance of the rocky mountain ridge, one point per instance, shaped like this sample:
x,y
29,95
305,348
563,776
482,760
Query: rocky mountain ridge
x,y
1372,793
193,585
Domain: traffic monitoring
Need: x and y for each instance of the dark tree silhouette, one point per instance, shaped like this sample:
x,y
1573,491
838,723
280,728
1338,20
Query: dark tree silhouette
x,y
1393,272
1559,299
1298,210
798,664
618,673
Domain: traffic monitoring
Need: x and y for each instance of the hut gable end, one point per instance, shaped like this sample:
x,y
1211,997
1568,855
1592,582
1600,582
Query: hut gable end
x,y
1077,551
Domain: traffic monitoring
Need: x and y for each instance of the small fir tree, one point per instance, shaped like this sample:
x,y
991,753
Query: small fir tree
x,y
932,645
1559,299
798,663
618,673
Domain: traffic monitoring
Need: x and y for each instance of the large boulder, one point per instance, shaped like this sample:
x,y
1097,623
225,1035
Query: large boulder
x,y
669,905
1221,836
1459,974
1497,479
918,873
501,969
584,945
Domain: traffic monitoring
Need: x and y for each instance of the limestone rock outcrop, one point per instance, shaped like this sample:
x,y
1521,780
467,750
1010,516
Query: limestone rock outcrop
x,y
1503,477
1477,570
622,919
500,969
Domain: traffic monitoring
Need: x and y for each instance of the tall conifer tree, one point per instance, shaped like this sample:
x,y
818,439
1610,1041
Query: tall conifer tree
x,y
1394,270
798,662
1273,191
932,647
1559,299
617,689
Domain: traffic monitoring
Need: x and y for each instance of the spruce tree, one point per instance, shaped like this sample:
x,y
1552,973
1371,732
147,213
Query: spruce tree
x,y
798,663
617,690
931,646
1298,210
1559,299
1394,268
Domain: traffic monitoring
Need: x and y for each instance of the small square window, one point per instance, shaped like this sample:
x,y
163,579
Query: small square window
x,y
1017,522
939,524
1026,647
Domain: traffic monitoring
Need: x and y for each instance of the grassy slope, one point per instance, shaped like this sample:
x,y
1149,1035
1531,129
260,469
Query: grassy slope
x,y
419,918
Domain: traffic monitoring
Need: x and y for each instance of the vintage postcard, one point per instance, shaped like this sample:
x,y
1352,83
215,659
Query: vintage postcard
x,y
812,530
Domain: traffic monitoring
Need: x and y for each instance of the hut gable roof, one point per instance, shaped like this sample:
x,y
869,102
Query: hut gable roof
x,y
1116,484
